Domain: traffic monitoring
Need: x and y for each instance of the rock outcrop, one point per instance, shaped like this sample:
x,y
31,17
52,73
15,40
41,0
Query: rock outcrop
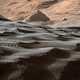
x,y
55,10
39,16
47,50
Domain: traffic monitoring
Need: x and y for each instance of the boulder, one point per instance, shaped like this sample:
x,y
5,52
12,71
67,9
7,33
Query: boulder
x,y
39,16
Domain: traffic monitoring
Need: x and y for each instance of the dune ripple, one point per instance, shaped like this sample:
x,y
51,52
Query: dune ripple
x,y
38,52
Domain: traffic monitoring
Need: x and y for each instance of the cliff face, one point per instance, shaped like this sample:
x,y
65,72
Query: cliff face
x,y
55,10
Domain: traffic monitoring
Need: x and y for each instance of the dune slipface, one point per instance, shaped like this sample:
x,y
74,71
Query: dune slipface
x,y
38,52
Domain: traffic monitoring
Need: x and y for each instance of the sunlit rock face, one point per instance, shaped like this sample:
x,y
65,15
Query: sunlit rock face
x,y
56,10
19,9
65,9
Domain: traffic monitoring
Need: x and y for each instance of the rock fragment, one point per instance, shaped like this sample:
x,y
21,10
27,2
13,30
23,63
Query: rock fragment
x,y
39,16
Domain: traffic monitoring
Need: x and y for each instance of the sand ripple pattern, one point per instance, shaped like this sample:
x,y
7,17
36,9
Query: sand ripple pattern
x,y
38,52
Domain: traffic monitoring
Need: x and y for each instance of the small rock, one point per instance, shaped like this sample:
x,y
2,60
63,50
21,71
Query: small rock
x,y
39,16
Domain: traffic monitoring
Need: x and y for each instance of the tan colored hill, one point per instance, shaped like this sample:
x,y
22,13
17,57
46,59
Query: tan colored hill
x,y
55,10
19,9
64,10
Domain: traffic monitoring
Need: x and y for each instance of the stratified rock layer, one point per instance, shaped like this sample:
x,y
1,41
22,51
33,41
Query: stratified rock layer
x,y
36,51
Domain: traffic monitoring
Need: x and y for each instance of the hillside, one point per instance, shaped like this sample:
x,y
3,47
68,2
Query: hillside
x,y
60,12
53,9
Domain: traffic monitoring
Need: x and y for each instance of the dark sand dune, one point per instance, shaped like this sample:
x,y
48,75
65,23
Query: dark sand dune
x,y
38,52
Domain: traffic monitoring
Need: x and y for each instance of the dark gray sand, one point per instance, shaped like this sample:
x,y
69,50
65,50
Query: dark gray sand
x,y
38,52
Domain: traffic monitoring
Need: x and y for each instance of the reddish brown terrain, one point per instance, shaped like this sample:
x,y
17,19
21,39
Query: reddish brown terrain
x,y
53,9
